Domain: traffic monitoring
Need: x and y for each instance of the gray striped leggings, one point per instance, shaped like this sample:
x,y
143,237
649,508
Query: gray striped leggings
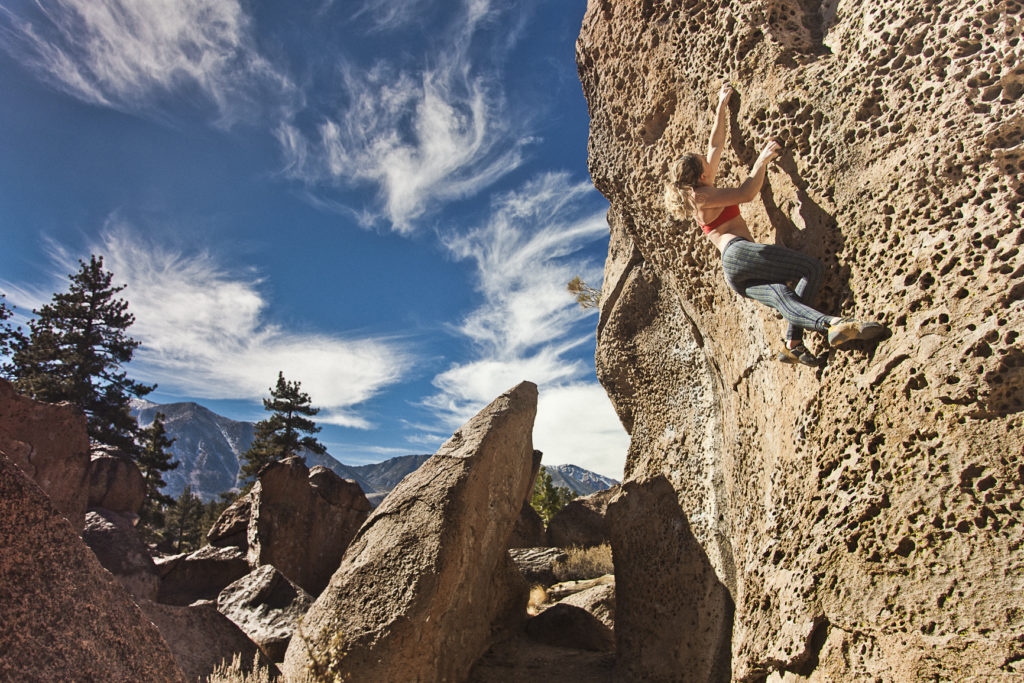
x,y
761,271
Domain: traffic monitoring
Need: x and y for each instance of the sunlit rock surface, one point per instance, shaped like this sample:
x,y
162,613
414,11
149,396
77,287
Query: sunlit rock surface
x,y
864,518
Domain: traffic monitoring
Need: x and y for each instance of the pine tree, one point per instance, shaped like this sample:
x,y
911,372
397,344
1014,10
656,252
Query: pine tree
x,y
548,499
184,522
75,352
10,338
153,460
280,435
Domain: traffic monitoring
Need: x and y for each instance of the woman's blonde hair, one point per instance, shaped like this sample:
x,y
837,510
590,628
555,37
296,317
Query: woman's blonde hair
x,y
683,175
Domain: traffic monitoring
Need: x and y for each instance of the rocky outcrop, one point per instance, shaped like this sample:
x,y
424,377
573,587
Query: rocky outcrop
x,y
199,575
581,523
672,615
267,607
537,565
116,543
200,637
529,530
51,445
427,581
64,616
232,527
302,520
864,517
115,482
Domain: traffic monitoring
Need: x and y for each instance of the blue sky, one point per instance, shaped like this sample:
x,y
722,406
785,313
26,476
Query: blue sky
x,y
383,199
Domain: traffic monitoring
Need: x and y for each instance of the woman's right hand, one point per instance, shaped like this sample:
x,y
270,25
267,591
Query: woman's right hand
x,y
770,151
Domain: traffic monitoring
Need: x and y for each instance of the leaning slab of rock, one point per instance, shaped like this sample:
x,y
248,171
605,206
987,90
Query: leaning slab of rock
x,y
200,637
115,482
117,545
538,564
427,580
266,606
232,526
199,575
670,623
51,445
65,618
582,522
302,520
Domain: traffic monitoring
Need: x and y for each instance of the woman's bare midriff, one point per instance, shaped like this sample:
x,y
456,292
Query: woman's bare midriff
x,y
728,231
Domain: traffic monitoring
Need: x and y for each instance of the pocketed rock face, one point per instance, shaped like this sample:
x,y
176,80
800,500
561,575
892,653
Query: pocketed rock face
x,y
301,521
51,445
865,517
65,618
427,581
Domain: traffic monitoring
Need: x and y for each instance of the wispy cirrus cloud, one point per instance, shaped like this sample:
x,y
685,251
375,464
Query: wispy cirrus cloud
x,y
139,55
204,332
528,325
421,137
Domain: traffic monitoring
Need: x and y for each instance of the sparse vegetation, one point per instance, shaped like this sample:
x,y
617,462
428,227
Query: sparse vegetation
x,y
236,672
586,296
585,563
538,596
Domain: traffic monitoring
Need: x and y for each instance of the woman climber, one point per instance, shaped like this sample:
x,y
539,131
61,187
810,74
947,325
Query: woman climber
x,y
756,271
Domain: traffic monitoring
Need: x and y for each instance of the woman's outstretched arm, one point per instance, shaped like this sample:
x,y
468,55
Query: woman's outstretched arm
x,y
716,143
710,197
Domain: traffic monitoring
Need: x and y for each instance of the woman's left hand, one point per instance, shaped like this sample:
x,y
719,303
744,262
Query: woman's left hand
x,y
724,94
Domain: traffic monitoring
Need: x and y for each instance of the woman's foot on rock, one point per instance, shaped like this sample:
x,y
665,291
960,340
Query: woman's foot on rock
x,y
798,354
847,329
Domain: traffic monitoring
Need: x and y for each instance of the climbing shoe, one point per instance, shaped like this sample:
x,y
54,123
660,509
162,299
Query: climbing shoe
x,y
848,329
798,354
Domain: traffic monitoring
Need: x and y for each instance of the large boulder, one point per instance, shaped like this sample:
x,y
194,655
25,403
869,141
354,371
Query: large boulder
x,y
232,527
427,582
302,520
51,445
65,618
864,516
582,523
597,600
118,547
200,637
565,625
267,607
671,620
529,529
115,482
199,575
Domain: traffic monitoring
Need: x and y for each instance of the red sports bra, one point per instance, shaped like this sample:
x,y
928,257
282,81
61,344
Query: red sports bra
x,y
728,213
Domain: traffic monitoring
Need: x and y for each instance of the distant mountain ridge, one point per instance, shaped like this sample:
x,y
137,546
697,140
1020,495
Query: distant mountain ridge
x,y
209,446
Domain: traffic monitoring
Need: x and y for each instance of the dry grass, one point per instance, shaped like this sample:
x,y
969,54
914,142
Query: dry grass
x,y
538,596
585,563
235,672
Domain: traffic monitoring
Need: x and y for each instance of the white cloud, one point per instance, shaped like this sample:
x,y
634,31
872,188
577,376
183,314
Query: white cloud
x,y
204,334
528,325
577,425
132,54
421,137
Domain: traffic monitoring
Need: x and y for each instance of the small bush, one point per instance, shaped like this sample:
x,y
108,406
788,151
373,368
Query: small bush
x,y
235,672
585,563
538,596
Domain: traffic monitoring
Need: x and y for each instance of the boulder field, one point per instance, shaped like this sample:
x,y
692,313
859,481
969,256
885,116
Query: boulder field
x,y
864,518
